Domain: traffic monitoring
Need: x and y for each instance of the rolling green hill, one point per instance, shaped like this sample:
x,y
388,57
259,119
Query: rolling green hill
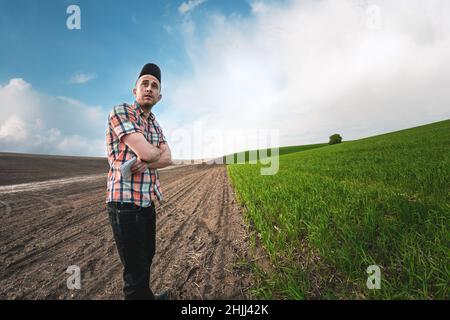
x,y
281,151
331,212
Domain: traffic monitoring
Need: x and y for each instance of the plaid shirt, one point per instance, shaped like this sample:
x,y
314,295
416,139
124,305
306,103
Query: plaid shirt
x,y
140,189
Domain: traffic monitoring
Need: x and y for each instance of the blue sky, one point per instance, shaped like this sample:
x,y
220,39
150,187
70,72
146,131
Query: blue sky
x,y
231,71
115,40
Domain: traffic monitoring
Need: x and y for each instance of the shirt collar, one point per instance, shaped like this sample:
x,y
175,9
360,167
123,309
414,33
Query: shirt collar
x,y
141,111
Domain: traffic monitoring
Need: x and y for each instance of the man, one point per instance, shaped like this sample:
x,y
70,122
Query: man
x,y
133,132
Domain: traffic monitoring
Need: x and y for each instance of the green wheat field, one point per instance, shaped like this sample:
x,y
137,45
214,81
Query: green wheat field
x,y
333,210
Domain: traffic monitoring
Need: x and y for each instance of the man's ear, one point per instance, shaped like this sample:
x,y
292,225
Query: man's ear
x,y
134,92
159,97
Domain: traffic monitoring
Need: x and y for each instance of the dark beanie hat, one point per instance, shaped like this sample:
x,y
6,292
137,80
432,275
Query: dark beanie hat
x,y
151,69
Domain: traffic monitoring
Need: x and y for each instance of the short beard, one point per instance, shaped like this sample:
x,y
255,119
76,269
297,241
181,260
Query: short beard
x,y
147,106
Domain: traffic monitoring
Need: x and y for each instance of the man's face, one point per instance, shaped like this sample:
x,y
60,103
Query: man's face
x,y
147,91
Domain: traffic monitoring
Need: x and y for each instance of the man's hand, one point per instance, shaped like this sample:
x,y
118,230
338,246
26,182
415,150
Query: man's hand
x,y
165,159
143,149
139,166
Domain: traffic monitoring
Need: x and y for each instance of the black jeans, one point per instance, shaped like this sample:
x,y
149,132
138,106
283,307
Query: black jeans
x,y
134,230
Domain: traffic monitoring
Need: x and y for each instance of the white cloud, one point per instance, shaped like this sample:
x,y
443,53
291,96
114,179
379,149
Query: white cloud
x,y
14,130
82,78
189,5
313,68
33,122
168,28
259,7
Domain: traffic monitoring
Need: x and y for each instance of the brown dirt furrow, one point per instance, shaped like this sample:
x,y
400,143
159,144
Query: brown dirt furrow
x,y
201,238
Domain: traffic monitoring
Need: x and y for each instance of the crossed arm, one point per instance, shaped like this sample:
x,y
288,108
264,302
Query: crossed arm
x,y
148,155
165,158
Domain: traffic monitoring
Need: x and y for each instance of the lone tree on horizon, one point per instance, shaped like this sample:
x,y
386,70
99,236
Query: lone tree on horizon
x,y
335,138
